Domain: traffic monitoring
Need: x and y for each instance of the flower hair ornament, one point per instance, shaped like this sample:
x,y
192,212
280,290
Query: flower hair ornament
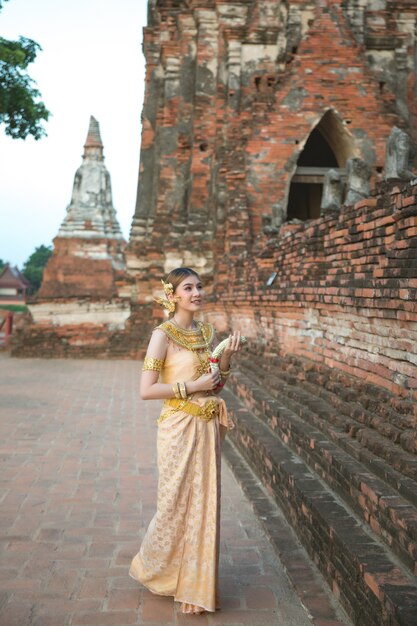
x,y
165,302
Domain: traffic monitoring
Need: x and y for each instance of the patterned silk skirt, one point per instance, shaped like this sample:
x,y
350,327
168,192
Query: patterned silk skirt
x,y
179,555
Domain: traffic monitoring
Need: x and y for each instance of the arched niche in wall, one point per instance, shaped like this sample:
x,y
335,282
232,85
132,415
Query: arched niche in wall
x,y
328,146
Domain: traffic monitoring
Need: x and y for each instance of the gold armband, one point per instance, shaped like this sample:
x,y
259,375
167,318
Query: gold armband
x,y
152,364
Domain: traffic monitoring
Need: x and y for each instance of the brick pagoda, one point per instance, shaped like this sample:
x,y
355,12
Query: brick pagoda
x,y
77,309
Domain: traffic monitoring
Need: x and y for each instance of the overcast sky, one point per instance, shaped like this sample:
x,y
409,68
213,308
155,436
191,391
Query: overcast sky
x,y
91,63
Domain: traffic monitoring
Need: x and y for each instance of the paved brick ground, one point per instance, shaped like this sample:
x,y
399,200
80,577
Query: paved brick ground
x,y
78,480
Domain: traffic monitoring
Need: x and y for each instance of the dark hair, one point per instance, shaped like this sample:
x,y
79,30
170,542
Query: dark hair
x,y
175,277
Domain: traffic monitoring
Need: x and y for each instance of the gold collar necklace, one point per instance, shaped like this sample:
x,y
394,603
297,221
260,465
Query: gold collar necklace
x,y
193,339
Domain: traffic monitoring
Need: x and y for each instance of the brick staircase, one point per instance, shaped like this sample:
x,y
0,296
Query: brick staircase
x,y
339,456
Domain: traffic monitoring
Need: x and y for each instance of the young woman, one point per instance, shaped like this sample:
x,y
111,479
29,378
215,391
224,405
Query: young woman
x,y
179,555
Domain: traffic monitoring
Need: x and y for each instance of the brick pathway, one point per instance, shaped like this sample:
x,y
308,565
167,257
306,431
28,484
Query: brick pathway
x,y
78,481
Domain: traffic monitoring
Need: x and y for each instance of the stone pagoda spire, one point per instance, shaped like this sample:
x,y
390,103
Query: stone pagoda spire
x,y
93,146
90,213
88,254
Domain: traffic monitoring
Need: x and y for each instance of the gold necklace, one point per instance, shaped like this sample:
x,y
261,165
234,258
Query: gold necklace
x,y
189,339
204,366
194,340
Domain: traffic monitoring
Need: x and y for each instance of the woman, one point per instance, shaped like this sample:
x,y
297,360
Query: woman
x,y
179,554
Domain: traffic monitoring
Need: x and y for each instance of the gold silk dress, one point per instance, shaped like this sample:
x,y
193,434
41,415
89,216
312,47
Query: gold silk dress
x,y
179,555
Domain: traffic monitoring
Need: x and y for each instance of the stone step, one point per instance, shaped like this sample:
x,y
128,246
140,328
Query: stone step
x,y
373,431
341,388
389,514
338,426
304,575
372,585
342,418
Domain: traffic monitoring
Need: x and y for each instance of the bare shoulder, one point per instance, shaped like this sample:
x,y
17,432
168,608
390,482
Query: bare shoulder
x,y
158,344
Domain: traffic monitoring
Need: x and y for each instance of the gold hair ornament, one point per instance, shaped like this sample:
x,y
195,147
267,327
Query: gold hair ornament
x,y
165,302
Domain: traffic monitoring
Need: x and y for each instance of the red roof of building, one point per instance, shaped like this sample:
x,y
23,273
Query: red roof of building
x,y
12,277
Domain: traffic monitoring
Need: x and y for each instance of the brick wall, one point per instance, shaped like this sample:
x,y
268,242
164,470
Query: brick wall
x,y
344,294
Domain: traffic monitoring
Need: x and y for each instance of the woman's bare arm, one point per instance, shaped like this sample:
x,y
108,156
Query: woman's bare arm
x,y
150,388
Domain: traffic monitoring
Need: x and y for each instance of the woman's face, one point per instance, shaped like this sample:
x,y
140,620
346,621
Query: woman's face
x,y
190,291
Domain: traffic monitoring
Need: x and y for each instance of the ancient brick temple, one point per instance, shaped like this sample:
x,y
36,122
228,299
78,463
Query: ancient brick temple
x,y
77,309
278,159
248,105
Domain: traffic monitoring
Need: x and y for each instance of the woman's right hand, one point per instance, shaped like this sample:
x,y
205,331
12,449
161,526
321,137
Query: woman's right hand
x,y
207,382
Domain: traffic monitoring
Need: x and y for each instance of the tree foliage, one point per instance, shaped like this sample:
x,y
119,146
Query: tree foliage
x,y
2,264
34,266
20,108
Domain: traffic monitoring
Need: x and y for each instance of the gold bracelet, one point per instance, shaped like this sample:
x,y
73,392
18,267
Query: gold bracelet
x,y
183,390
176,391
224,373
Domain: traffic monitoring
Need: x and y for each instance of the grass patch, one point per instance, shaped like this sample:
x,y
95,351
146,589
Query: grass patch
x,y
15,308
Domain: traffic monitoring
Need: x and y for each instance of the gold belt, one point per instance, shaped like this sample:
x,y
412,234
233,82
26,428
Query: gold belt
x,y
206,412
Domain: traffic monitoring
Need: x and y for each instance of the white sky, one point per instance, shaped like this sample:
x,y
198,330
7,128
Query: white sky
x,y
91,63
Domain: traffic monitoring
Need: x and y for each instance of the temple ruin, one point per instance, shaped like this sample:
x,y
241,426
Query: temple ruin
x,y
278,159
77,310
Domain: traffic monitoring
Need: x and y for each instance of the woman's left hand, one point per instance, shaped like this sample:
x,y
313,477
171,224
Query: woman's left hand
x,y
233,345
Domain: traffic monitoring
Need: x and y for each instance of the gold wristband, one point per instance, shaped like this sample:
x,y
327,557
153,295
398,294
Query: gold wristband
x,y
183,390
224,373
176,391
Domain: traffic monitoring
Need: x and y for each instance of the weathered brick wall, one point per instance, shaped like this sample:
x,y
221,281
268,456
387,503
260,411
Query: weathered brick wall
x,y
233,91
279,125
344,293
386,30
71,271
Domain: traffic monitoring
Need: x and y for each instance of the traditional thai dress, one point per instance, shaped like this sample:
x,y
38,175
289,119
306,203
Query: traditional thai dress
x,y
179,555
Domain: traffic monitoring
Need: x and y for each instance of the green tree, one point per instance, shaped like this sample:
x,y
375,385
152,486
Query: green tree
x,y
34,266
21,111
2,264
